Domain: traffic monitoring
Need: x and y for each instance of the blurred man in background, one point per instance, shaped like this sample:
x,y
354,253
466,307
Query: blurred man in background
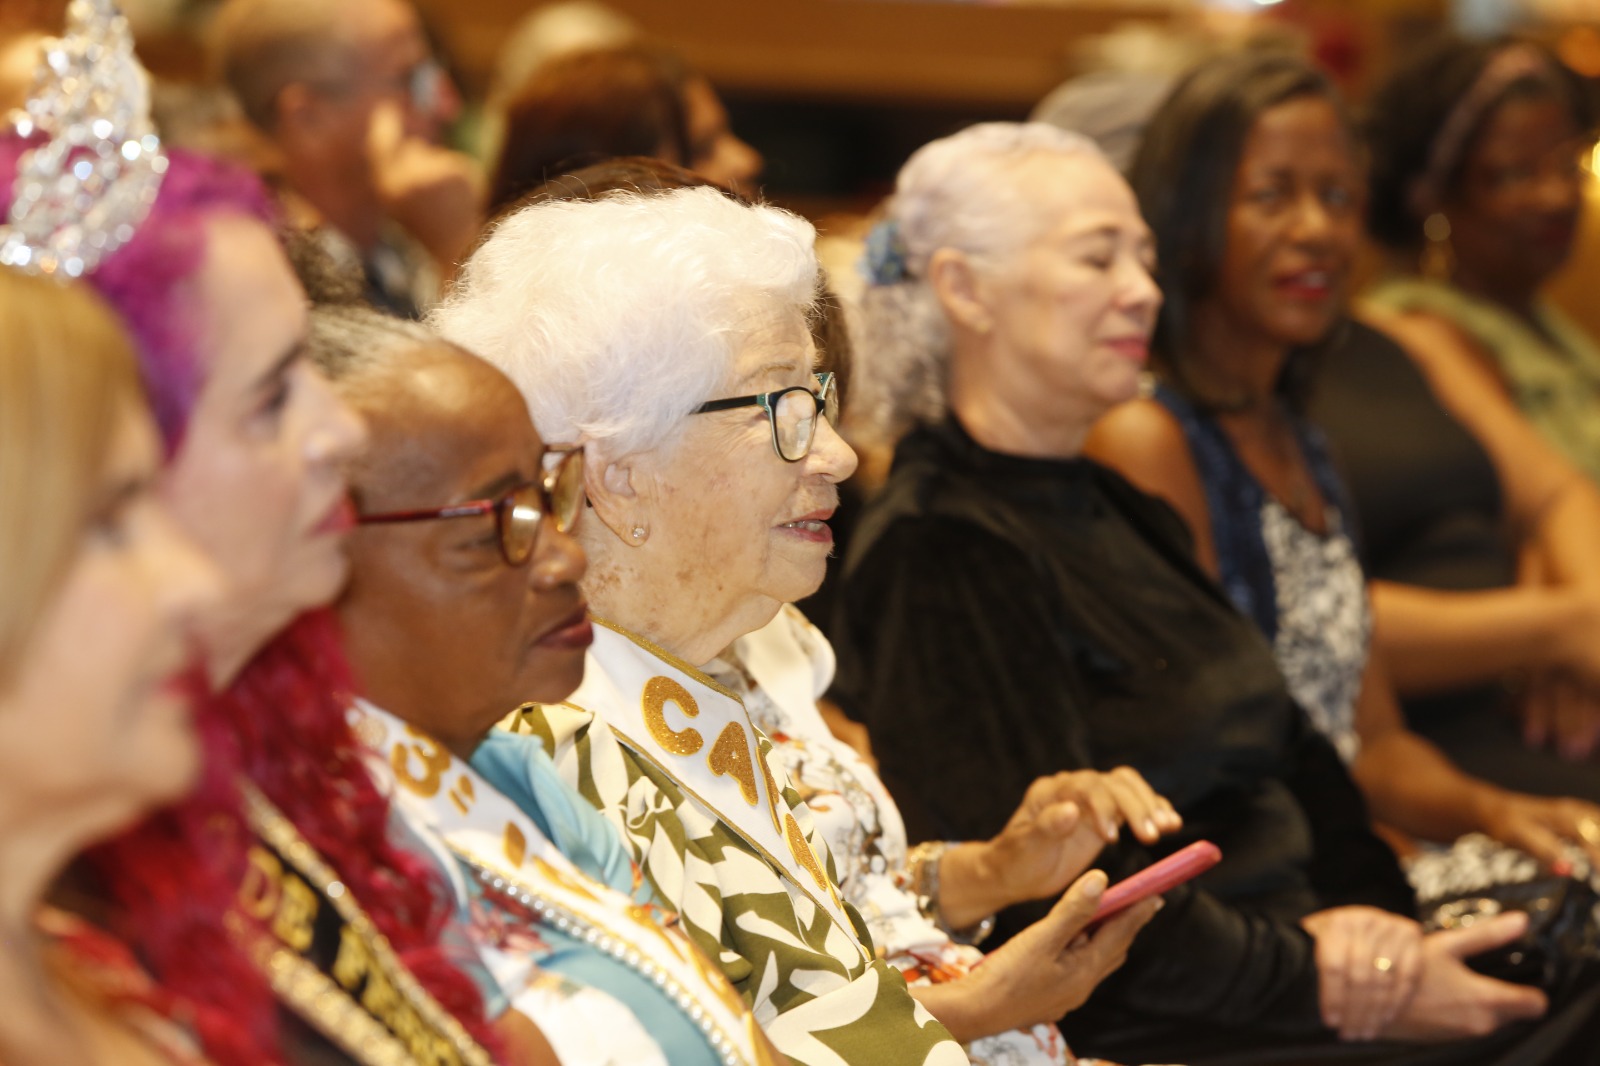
x,y
355,105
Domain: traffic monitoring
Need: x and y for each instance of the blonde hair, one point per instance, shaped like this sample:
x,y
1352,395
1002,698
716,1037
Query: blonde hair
x,y
67,378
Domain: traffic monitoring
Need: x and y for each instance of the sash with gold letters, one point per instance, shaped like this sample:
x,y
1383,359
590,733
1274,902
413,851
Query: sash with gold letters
x,y
697,732
670,758
328,963
522,869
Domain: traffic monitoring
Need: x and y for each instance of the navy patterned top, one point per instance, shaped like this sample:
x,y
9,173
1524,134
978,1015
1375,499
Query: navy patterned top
x,y
1304,589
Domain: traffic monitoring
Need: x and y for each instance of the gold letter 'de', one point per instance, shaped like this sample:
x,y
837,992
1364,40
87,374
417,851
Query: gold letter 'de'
x,y
658,692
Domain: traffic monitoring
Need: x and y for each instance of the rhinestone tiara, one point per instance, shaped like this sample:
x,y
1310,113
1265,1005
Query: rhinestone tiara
x,y
82,191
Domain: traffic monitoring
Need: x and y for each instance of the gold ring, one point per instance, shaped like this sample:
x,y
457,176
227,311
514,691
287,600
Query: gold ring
x,y
1382,964
1589,830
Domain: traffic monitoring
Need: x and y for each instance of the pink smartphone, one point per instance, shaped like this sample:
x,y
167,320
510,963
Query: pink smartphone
x,y
1157,878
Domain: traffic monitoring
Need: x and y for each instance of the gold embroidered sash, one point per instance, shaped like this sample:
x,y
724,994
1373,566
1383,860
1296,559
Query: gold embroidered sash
x,y
697,732
327,961
519,865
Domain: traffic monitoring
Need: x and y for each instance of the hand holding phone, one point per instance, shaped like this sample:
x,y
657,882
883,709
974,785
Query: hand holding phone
x,y
1157,878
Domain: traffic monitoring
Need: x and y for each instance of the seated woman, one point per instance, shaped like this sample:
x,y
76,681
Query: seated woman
x,y
92,560
703,525
463,600
1013,609
1476,189
1482,549
330,907
1226,442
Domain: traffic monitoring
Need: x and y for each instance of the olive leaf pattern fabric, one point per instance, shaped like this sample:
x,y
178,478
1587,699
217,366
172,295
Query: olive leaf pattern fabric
x,y
812,981
779,672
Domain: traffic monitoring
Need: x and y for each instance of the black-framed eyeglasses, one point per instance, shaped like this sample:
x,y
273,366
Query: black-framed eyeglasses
x,y
792,412
519,512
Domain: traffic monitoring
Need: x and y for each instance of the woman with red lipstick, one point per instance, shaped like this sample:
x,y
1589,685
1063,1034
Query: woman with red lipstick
x,y
1012,609
1227,442
1477,185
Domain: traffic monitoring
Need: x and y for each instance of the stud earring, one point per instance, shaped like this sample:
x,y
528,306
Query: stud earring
x,y
638,532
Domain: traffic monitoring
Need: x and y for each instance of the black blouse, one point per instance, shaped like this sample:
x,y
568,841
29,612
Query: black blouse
x,y
1426,494
1003,618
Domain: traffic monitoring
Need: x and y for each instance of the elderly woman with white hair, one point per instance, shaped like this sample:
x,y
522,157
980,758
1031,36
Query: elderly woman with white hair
x,y
668,335
1010,608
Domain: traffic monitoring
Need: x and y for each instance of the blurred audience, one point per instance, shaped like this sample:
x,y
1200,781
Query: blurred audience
x,y
590,106
354,105
1477,170
1484,556
1110,107
545,33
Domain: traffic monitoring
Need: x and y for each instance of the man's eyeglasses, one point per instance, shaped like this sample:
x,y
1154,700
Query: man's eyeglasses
x,y
518,513
792,412
423,84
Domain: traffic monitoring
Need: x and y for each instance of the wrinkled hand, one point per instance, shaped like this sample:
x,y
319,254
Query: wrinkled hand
x,y
1051,967
1452,1002
1543,827
436,194
1560,712
1368,965
1062,823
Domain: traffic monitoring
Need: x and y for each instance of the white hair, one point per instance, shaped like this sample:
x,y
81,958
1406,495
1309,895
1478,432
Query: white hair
x,y
959,192
617,317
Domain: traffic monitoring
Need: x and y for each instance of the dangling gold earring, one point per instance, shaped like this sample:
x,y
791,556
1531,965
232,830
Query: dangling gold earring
x,y
1438,255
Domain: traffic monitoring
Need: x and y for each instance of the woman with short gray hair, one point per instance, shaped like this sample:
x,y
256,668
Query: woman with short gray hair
x,y
951,194
619,320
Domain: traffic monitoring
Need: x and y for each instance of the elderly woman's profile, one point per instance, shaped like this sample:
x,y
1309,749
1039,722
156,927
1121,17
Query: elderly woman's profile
x,y
668,335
